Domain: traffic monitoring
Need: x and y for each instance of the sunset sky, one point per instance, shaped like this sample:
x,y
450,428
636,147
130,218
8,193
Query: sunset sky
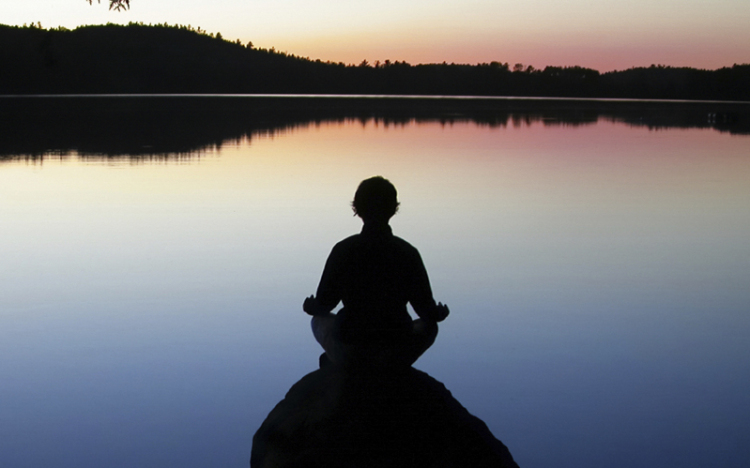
x,y
605,34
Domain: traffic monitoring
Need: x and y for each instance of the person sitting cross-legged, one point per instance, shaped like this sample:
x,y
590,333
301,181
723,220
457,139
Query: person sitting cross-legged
x,y
374,274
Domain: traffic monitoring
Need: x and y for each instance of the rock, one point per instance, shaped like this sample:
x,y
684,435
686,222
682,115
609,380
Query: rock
x,y
337,418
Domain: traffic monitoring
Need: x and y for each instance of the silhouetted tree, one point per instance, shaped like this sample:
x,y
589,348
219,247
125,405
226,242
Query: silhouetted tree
x,y
183,59
118,5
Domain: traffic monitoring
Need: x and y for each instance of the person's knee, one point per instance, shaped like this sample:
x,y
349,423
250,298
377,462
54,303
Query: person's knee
x,y
426,328
425,333
323,327
315,325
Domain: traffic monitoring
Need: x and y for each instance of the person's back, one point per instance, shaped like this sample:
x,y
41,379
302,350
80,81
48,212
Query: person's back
x,y
375,274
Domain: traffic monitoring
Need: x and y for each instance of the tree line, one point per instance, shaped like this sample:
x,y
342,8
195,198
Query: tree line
x,y
162,58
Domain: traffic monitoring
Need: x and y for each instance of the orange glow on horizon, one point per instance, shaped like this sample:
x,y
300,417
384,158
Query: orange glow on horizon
x,y
601,35
588,50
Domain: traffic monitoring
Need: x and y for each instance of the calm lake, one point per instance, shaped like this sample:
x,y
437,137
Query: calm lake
x,y
596,265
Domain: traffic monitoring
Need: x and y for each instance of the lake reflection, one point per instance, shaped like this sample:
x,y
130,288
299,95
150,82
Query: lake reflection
x,y
150,314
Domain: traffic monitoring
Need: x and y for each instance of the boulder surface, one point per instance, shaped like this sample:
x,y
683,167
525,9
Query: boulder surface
x,y
370,418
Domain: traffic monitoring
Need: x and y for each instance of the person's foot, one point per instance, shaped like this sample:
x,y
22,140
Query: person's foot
x,y
323,361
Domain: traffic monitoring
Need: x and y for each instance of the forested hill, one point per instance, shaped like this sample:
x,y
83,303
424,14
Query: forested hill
x,y
179,59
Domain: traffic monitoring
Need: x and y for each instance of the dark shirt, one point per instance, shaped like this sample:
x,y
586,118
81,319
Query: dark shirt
x,y
375,274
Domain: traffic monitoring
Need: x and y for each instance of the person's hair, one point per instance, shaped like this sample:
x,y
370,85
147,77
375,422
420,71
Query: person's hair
x,y
375,199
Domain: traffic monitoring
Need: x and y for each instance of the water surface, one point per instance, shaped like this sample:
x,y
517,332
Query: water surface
x,y
596,270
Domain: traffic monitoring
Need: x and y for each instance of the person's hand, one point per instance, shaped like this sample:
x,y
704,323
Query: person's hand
x,y
441,312
311,305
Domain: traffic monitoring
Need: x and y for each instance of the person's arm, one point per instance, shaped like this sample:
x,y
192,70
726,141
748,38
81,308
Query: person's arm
x,y
421,293
328,294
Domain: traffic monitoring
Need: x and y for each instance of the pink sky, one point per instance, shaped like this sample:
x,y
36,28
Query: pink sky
x,y
604,35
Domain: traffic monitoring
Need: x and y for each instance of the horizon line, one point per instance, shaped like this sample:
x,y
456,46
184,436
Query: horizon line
x,y
371,96
202,32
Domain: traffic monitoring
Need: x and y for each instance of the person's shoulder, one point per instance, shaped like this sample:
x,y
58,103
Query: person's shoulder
x,y
347,242
405,245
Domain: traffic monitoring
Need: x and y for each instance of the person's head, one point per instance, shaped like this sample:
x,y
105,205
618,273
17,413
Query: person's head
x,y
375,200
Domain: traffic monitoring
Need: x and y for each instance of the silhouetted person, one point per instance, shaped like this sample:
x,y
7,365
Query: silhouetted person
x,y
375,274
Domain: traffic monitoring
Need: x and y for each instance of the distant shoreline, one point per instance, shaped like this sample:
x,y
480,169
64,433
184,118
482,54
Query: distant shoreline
x,y
295,107
144,60
377,96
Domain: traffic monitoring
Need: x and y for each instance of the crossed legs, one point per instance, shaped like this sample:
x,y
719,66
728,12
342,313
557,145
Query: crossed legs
x,y
405,352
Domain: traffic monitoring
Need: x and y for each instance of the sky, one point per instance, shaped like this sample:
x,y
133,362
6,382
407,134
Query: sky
x,y
604,35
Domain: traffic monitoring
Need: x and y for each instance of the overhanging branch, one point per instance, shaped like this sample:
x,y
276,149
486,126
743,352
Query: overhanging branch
x,y
118,5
